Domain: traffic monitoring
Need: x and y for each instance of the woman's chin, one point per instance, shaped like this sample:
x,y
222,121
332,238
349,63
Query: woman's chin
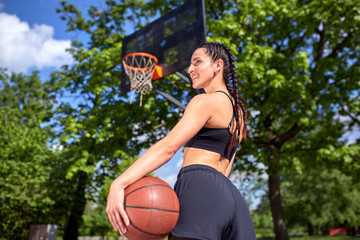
x,y
196,86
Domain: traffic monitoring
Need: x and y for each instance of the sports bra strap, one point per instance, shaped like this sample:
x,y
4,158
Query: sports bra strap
x,y
228,97
232,119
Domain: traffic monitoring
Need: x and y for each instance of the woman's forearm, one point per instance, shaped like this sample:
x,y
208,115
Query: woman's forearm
x,y
152,159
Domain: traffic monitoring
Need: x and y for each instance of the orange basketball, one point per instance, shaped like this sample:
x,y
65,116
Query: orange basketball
x,y
153,209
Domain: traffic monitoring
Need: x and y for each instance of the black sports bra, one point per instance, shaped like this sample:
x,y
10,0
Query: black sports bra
x,y
215,139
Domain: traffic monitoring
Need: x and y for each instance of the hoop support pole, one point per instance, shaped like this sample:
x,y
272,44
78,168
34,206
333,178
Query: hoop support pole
x,y
183,77
169,97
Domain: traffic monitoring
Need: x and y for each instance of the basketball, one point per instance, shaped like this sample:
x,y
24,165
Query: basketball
x,y
153,209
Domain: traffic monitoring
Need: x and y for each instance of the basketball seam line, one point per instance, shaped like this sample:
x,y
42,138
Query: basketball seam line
x,y
151,234
159,209
150,185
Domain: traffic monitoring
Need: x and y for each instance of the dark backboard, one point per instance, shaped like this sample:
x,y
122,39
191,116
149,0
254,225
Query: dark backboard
x,y
172,38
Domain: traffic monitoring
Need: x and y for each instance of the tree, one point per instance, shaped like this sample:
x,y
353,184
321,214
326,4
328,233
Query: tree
x,y
25,158
297,61
102,132
262,219
95,222
321,199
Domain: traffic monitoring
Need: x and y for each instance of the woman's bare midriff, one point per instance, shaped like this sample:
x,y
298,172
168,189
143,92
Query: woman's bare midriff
x,y
193,156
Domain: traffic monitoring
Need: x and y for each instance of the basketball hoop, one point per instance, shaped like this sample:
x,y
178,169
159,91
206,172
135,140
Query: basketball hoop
x,y
140,68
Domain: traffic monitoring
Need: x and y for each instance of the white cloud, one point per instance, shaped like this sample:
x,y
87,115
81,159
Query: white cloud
x,y
350,137
56,148
23,47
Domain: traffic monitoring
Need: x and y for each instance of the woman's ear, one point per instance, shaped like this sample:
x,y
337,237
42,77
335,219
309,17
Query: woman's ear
x,y
219,64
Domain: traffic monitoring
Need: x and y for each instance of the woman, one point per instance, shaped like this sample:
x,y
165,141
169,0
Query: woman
x,y
211,128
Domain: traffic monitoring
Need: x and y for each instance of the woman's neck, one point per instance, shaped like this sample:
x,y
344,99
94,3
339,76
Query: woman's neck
x,y
216,88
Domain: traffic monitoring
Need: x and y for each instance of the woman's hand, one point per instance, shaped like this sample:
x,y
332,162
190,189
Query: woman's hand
x,y
115,208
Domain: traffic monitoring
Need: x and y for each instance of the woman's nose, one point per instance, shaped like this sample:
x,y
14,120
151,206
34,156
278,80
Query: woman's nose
x,y
190,69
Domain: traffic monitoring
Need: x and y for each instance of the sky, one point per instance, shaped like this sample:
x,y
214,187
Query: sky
x,y
33,37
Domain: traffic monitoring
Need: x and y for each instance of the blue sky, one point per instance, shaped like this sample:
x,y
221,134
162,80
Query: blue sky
x,y
33,37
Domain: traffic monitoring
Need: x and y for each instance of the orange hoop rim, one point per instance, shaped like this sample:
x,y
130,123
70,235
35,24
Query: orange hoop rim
x,y
139,54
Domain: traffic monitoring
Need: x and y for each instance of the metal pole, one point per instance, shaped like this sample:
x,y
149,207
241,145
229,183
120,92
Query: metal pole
x,y
170,98
183,77
188,80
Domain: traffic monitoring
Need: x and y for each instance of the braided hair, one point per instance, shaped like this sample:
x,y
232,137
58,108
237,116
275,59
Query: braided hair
x,y
217,51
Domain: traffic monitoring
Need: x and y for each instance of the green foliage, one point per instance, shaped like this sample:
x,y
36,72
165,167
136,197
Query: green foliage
x,y
96,223
101,132
25,159
297,62
322,198
262,220
103,123
290,77
264,38
298,65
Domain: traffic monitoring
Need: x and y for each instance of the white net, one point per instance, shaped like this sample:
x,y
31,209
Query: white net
x,y
140,68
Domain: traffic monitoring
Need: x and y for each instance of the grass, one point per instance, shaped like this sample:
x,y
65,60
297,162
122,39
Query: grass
x,y
317,238
297,238
300,238
325,238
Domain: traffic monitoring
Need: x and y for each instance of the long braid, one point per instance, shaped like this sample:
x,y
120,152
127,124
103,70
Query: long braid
x,y
235,94
219,51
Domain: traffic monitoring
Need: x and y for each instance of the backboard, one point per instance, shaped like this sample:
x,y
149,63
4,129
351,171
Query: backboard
x,y
171,39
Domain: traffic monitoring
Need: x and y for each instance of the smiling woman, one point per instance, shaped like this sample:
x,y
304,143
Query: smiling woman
x,y
212,127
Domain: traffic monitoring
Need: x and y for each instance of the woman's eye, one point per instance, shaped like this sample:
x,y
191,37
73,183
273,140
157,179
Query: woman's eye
x,y
194,63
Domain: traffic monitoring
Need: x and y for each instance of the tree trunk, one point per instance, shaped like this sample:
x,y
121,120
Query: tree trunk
x,y
325,230
276,207
311,230
71,231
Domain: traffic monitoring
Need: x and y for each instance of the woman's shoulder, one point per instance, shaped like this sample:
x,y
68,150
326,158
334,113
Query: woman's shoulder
x,y
202,101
